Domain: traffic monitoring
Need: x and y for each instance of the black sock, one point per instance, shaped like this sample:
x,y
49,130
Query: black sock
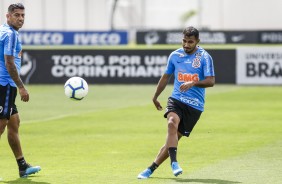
x,y
22,163
153,167
172,154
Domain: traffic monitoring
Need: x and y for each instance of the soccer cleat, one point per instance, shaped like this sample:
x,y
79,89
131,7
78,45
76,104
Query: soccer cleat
x,y
145,174
29,170
176,169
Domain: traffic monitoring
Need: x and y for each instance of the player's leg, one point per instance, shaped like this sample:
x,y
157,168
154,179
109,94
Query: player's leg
x,y
3,123
173,121
13,125
3,109
13,135
163,153
172,141
25,169
160,158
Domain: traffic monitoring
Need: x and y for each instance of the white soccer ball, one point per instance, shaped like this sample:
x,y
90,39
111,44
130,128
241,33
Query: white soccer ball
x,y
76,88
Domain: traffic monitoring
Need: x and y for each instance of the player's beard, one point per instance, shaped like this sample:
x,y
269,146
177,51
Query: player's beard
x,y
18,25
189,50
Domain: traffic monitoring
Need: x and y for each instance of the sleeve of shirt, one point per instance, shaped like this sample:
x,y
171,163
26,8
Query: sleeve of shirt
x,y
9,44
208,65
170,66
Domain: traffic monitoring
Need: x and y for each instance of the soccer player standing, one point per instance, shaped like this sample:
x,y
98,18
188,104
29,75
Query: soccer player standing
x,y
10,64
193,71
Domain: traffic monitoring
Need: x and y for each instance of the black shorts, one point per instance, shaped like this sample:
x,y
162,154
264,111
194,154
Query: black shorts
x,y
8,96
188,115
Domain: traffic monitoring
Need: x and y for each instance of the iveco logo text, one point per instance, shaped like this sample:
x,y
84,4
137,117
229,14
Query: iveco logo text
x,y
188,100
97,39
38,38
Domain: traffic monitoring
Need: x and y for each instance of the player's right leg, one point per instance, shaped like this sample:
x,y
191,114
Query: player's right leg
x,y
4,109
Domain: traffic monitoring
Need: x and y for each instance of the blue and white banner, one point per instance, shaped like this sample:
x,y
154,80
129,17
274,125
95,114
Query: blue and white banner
x,y
74,38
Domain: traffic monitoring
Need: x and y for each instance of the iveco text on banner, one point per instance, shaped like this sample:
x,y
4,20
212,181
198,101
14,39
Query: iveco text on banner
x,y
74,38
259,65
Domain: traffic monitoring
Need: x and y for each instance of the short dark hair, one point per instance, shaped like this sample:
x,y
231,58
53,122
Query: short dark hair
x,y
191,31
12,7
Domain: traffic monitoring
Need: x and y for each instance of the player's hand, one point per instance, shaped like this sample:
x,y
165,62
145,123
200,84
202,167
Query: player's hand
x,y
186,85
24,94
157,104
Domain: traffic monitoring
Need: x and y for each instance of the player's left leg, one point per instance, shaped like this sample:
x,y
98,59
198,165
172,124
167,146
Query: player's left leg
x,y
13,135
172,141
3,124
164,153
13,125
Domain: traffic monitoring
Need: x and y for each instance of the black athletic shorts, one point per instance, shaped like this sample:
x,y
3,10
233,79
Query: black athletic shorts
x,y
8,96
188,115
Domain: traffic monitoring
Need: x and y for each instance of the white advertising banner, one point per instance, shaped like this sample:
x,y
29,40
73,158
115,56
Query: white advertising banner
x,y
259,65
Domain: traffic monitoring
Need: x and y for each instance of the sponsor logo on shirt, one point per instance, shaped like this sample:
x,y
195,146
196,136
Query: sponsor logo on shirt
x,y
187,77
190,101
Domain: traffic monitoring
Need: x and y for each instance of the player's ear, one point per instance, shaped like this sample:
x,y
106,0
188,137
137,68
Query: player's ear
x,y
198,41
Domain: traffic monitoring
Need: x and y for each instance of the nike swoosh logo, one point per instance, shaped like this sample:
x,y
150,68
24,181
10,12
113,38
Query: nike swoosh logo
x,y
237,38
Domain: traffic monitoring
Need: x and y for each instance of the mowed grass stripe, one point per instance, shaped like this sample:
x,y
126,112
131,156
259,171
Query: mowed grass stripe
x,y
260,166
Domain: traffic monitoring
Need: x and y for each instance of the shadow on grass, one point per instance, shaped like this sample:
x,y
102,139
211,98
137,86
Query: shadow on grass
x,y
24,181
209,181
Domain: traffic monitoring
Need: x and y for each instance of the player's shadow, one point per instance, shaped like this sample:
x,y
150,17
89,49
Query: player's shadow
x,y
209,181
24,181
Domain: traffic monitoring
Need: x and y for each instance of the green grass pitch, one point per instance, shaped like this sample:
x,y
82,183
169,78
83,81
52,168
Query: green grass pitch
x,y
115,132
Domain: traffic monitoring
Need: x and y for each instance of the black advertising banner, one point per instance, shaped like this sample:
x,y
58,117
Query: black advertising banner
x,y
206,37
110,66
270,37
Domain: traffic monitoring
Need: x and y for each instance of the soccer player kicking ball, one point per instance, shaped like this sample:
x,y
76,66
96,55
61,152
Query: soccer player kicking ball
x,y
193,71
10,63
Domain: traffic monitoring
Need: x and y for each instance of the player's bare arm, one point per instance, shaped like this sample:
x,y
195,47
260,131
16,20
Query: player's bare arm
x,y
207,82
11,67
160,87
